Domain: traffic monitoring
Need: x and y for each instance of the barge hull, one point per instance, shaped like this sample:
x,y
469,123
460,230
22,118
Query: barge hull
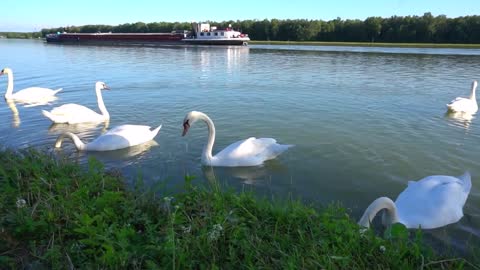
x,y
216,42
119,42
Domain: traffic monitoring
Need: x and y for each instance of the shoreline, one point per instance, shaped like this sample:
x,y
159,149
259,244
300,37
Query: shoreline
x,y
55,214
339,44
367,44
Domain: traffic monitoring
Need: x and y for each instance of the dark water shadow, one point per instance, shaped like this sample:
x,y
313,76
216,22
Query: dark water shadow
x,y
254,175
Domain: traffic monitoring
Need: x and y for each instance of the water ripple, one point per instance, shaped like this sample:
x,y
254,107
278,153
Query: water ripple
x,y
364,121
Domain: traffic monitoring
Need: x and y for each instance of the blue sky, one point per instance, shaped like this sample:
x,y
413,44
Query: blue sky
x,y
32,15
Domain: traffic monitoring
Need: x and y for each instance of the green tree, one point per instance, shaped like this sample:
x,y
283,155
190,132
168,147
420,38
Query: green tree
x,y
373,27
426,28
274,25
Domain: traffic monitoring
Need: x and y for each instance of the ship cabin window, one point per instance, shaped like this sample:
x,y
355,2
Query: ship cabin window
x,y
222,33
216,34
208,34
201,34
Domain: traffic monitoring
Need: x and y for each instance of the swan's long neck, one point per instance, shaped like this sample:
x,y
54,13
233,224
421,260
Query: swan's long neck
x,y
78,143
472,94
375,207
9,92
101,105
207,150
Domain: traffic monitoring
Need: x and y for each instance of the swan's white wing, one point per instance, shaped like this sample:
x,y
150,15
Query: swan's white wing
x,y
34,92
455,100
107,142
71,108
134,134
432,202
128,130
250,152
245,148
122,137
462,105
73,113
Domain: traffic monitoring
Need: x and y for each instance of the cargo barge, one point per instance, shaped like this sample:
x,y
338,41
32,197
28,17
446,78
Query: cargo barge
x,y
202,34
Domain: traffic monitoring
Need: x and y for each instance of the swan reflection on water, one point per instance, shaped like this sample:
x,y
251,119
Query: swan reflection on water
x,y
82,129
460,119
125,156
248,175
254,175
125,153
15,114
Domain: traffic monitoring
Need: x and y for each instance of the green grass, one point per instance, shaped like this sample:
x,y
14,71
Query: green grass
x,y
87,219
369,44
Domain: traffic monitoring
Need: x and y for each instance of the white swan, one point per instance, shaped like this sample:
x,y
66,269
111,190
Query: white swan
x,y
28,95
249,152
466,105
117,138
429,203
74,113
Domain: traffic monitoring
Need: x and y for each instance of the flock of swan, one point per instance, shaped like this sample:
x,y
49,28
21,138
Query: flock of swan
x,y
431,202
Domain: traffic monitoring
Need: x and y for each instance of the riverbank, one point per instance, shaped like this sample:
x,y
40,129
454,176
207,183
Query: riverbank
x,y
56,215
367,44
21,35
34,35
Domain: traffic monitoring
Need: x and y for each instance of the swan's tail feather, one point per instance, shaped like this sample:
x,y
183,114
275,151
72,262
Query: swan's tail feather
x,y
58,90
155,131
54,118
277,149
466,178
48,114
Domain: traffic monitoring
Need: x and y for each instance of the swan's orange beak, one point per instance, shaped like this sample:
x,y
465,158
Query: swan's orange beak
x,y
186,126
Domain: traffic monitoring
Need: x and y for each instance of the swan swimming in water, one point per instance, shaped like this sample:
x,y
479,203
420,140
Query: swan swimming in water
x,y
117,138
28,95
429,203
465,105
74,113
249,152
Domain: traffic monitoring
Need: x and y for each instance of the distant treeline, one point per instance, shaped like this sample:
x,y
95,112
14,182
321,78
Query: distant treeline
x,y
416,29
21,35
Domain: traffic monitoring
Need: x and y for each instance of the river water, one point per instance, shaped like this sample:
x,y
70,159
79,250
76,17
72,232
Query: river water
x,y
364,121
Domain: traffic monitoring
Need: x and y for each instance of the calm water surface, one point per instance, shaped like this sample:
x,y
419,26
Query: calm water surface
x,y
364,121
